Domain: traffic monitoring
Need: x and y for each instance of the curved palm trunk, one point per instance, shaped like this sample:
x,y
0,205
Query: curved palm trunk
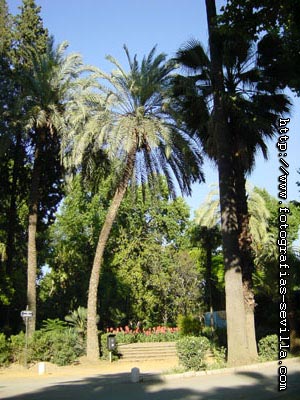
x,y
235,311
32,229
247,260
92,345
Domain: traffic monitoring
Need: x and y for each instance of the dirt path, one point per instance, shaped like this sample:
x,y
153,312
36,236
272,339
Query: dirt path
x,y
259,382
85,368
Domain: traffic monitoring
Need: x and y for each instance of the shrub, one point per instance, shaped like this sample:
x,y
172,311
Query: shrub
x,y
78,320
191,352
268,348
61,347
4,350
126,338
189,325
56,324
16,347
219,357
158,337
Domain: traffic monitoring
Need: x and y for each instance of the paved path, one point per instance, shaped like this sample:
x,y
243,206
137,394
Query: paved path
x,y
255,383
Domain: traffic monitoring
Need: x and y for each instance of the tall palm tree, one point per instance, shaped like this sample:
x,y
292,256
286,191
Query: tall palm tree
x,y
249,114
48,86
142,142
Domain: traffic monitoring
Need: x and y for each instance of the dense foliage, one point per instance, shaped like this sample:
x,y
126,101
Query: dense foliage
x,y
150,272
58,346
192,351
60,174
268,348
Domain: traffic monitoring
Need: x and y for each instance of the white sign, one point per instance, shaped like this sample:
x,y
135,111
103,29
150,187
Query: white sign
x,y
26,314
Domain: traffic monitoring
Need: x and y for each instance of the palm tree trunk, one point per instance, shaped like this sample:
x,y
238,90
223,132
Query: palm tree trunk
x,y
12,215
247,260
238,352
92,346
235,311
32,230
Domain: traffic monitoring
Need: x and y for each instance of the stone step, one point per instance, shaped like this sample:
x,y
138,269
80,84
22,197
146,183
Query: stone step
x,y
148,346
147,356
160,355
146,351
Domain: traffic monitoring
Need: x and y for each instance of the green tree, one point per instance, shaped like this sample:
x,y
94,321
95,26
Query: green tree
x,y
265,235
13,190
149,273
162,275
137,131
30,33
72,241
262,234
209,237
5,100
263,211
20,33
276,26
48,85
247,109
235,311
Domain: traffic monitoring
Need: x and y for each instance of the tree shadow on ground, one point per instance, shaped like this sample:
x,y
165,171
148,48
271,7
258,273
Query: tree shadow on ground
x,y
242,385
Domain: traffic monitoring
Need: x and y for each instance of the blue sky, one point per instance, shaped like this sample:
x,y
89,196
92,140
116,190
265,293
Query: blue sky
x,y
96,28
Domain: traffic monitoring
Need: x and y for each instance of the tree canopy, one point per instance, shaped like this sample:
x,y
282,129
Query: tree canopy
x,y
92,162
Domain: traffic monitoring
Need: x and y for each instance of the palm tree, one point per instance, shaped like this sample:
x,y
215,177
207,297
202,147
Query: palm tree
x,y
142,142
228,84
77,319
208,215
209,236
47,85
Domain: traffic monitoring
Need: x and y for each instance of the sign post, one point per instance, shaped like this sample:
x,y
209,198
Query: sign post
x,y
26,314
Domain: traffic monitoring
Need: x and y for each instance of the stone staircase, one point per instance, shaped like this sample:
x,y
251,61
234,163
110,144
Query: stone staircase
x,y
147,351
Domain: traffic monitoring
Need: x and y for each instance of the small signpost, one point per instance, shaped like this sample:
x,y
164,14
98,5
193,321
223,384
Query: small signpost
x,y
26,314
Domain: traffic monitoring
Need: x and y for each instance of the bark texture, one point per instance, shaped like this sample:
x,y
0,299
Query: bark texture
x,y
32,229
92,349
247,260
238,353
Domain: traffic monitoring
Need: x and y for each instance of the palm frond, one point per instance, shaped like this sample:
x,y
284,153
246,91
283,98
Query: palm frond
x,y
125,109
192,56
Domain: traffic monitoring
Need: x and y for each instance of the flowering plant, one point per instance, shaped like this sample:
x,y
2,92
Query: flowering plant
x,y
138,334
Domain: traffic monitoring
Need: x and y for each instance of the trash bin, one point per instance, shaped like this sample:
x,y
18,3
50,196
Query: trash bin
x,y
111,342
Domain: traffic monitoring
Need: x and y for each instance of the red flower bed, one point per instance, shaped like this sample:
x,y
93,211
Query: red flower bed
x,y
147,332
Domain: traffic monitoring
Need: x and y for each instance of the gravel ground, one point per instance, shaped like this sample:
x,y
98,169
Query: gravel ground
x,y
85,368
